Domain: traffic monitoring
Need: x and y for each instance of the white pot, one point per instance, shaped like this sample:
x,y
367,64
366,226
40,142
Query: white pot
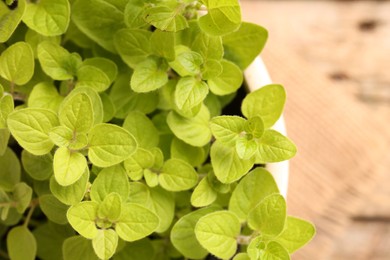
x,y
256,76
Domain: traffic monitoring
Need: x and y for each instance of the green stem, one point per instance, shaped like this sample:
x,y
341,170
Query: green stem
x,y
33,204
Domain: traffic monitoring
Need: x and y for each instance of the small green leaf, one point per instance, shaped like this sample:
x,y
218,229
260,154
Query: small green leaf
x,y
71,194
10,170
241,256
227,129
165,18
34,39
228,166
210,47
163,44
33,122
140,160
274,250
178,175
183,234
163,205
151,178
109,145
266,102
296,234
190,92
274,147
62,136
107,66
229,81
108,107
211,69
113,179
45,95
245,147
111,207
22,194
217,233
77,247
255,126
48,17
133,14
21,244
187,62
149,75
68,166
142,128
203,195
137,250
17,63
269,216
92,77
54,210
105,243
4,137
82,218
251,190
4,210
191,154
10,19
136,222
6,107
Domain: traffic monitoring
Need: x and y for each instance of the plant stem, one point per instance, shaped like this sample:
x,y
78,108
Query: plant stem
x,y
33,204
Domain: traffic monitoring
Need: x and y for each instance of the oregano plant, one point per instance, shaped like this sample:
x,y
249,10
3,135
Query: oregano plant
x,y
114,143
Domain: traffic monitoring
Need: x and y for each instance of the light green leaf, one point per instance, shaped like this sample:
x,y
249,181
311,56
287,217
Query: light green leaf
x,y
140,160
223,17
137,250
4,137
228,166
77,247
274,147
10,19
111,207
162,203
82,217
241,256
92,77
229,81
274,251
139,193
17,63
269,216
10,170
71,194
255,126
194,131
21,244
227,129
246,147
151,178
203,195
191,154
68,166
136,222
245,44
108,107
183,234
266,102
22,194
76,113
133,45
5,210
6,107
296,234
110,145
165,18
105,243
133,14
48,17
33,122
252,189
211,69
216,184
45,95
142,128
210,47
163,44
217,233
256,247
107,66
178,175
62,136
149,75
113,179
187,62
190,92
34,39
53,209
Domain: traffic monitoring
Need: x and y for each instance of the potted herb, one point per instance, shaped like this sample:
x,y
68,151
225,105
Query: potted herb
x,y
112,138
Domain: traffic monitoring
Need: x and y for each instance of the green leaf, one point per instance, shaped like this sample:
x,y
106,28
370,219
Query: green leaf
x,y
255,126
241,256
76,113
22,194
98,29
108,107
10,19
133,45
229,81
71,194
68,166
82,217
228,166
62,136
178,175
190,92
187,62
4,137
274,147
151,178
113,179
191,154
245,44
222,18
163,44
163,205
111,207
137,250
110,145
48,17
296,234
227,129
10,170
266,102
17,63
33,122
217,233
246,147
210,47
269,216
183,234
256,247
6,107
92,77
165,18
142,128
211,69
203,195
34,39
140,160
105,243
194,131
5,210
136,222
251,190
21,244
274,250
45,95
149,75
107,66
53,209
133,14
77,247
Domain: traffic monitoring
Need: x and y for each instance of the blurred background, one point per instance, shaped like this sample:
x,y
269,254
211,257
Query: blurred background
x,y
333,57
